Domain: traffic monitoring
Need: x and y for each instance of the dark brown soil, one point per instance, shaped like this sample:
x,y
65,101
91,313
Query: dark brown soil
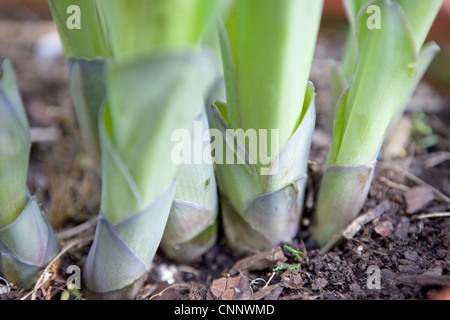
x,y
409,249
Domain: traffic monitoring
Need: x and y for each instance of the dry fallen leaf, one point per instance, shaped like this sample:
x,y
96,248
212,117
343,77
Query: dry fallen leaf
x,y
231,288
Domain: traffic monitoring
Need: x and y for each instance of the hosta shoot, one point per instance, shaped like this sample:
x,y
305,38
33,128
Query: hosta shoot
x,y
27,241
154,86
267,49
388,64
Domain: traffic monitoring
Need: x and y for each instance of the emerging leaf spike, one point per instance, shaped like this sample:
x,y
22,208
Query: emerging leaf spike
x,y
27,241
373,103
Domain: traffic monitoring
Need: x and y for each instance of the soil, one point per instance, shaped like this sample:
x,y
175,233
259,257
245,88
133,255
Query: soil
x,y
400,252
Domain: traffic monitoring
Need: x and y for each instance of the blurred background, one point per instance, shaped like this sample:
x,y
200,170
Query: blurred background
x,y
35,11
59,166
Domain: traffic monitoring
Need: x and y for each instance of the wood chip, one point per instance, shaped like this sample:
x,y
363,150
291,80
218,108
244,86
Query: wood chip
x,y
292,281
384,228
319,283
413,178
401,232
231,288
416,198
264,260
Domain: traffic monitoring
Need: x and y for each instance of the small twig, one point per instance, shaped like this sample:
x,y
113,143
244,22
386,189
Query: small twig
x,y
188,269
433,215
77,229
270,279
181,285
393,184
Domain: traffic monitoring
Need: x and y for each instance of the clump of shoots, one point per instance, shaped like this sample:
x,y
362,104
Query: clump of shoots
x,y
155,83
391,61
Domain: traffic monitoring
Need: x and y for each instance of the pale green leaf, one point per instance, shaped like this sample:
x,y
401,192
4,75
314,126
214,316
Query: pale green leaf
x,y
270,219
110,264
142,26
291,163
14,146
120,195
149,99
338,84
352,9
196,182
387,62
122,253
79,27
421,15
350,58
237,177
86,80
426,56
342,194
339,123
26,245
190,231
271,45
